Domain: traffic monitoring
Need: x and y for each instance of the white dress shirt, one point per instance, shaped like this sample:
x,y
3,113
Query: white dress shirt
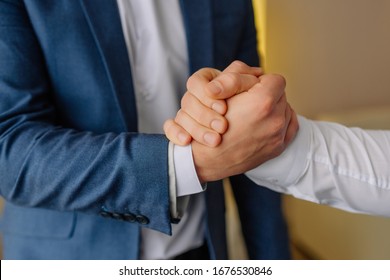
x,y
327,163
156,43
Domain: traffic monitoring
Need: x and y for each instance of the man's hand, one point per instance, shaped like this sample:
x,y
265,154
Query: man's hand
x,y
203,106
261,124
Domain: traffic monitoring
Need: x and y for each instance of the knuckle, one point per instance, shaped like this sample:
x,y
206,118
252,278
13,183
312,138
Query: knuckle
x,y
266,105
233,77
278,126
198,77
171,130
167,126
239,65
278,80
231,81
180,116
191,82
185,102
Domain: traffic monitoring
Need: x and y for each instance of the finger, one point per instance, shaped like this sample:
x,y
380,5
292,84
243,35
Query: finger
x,y
196,85
199,133
228,84
203,114
242,68
200,78
240,77
236,78
272,86
176,134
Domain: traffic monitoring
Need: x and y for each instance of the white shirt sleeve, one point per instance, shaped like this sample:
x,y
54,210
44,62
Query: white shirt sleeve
x,y
327,163
183,179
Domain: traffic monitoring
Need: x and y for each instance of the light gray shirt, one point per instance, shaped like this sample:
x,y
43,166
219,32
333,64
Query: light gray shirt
x,y
157,49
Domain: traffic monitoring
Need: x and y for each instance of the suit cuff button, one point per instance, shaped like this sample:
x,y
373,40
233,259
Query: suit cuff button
x,y
117,216
128,217
105,214
142,220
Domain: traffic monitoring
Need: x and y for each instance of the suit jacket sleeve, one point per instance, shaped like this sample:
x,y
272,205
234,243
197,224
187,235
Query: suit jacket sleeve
x,y
45,164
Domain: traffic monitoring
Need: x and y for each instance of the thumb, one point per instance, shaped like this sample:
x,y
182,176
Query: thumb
x,y
228,84
236,78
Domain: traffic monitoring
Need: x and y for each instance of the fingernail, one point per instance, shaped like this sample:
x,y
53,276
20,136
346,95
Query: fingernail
x,y
182,137
218,107
210,138
214,88
217,125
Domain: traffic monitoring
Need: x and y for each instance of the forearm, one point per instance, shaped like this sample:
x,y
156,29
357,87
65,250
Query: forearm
x,y
49,158
49,167
330,164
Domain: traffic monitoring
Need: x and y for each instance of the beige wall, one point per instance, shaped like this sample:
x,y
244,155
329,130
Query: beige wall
x,y
335,56
334,53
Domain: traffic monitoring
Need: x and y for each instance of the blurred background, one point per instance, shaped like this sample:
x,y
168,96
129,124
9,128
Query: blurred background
x,y
335,57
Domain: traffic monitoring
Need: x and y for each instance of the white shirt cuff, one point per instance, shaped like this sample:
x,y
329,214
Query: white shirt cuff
x,y
183,179
285,169
187,181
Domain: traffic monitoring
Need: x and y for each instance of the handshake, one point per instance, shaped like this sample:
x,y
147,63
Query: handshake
x,y
235,120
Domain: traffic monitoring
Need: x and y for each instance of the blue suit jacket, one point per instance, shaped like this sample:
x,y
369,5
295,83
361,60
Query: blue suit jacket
x,y
78,179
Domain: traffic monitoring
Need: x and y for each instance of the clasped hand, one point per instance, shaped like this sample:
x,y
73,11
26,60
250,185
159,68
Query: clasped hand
x,y
235,120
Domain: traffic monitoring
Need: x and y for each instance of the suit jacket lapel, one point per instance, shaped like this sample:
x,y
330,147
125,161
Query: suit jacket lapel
x,y
104,21
199,29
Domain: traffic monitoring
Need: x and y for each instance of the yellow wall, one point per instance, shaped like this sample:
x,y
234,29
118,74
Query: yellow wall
x,y
335,56
260,8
